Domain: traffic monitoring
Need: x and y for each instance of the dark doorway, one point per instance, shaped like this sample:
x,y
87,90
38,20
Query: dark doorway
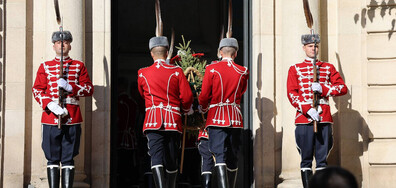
x,y
133,24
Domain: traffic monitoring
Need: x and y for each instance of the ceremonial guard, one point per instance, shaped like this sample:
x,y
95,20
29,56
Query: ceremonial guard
x,y
300,91
222,88
167,95
61,145
207,161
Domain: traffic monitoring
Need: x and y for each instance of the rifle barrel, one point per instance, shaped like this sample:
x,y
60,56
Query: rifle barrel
x,y
315,79
60,76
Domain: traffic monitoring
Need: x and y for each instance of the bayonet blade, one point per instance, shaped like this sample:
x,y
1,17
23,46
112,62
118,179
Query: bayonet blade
x,y
308,15
159,28
57,12
229,29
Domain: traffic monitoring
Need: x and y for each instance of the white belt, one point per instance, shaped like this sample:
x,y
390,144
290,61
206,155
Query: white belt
x,y
224,104
68,101
161,106
321,101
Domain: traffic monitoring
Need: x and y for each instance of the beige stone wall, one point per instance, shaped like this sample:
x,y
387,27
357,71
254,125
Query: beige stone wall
x,y
345,51
363,48
378,35
262,74
100,44
15,94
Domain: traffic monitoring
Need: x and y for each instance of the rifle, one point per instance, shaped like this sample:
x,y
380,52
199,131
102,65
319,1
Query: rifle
x,y
172,44
60,94
309,19
229,27
315,79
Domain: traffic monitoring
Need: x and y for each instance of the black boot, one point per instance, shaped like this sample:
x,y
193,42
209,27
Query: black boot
x,y
222,178
158,176
232,175
206,180
305,176
53,176
67,176
171,179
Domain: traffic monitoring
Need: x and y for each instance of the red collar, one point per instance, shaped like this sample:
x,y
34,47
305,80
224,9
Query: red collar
x,y
310,61
64,59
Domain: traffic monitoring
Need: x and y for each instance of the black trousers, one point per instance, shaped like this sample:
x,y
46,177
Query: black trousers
x,y
309,143
61,145
224,144
207,162
163,148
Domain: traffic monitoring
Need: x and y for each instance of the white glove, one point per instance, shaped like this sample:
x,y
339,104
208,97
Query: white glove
x,y
191,111
65,113
55,108
320,109
316,87
200,109
314,114
63,84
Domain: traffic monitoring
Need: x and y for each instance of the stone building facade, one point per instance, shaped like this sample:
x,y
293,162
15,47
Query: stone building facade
x,y
358,37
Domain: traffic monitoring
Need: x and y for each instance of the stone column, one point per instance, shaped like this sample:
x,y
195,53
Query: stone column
x,y
73,13
101,48
14,98
290,25
42,47
263,86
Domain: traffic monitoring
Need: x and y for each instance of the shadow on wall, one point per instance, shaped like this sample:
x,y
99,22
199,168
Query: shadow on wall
x,y
266,155
351,134
98,96
386,8
99,136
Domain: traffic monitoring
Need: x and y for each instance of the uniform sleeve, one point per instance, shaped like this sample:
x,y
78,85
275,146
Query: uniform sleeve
x,y
186,96
206,91
293,92
336,87
246,83
140,83
84,87
40,87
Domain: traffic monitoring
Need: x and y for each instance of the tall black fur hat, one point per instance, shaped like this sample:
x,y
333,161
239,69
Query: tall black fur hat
x,y
56,36
158,41
308,38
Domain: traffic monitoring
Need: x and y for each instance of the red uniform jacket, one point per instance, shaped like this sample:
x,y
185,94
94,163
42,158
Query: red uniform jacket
x,y
222,88
165,89
45,89
300,94
203,134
